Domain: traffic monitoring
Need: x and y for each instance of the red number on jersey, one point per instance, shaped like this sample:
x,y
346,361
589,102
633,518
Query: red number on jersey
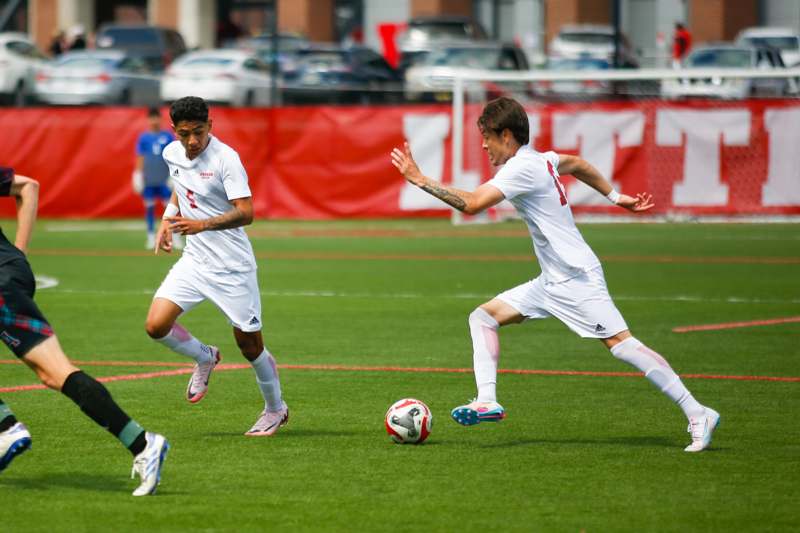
x,y
559,187
190,197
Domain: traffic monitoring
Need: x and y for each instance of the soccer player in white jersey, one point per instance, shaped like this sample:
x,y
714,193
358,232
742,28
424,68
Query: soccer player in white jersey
x,y
210,204
571,286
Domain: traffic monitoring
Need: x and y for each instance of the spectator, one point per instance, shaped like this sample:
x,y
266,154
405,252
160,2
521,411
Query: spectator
x,y
58,44
681,43
77,37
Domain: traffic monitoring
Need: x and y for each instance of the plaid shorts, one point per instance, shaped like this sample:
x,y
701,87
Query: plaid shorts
x,y
22,324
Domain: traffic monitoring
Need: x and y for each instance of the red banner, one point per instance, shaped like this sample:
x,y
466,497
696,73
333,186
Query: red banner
x,y
330,162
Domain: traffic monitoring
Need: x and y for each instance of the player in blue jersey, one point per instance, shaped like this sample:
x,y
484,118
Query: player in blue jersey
x,y
151,175
26,332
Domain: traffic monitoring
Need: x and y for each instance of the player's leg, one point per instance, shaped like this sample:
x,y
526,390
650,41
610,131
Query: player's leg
x,y
148,197
178,293
275,413
238,297
510,307
14,436
702,420
149,450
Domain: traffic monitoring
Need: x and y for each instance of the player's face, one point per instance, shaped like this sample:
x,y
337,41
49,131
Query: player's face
x,y
497,147
154,122
193,135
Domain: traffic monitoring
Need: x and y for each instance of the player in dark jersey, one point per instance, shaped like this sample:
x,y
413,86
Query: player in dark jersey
x,y
25,330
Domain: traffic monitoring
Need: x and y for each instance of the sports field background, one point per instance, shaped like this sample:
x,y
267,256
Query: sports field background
x,y
576,453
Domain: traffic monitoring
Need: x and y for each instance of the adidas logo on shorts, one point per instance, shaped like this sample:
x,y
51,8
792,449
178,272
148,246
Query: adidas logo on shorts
x,y
253,321
599,328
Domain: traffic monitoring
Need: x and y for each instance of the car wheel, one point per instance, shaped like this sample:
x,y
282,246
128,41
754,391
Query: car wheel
x,y
125,97
249,99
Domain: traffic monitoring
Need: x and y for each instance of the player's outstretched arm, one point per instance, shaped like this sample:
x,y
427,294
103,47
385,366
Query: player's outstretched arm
x,y
582,170
26,192
467,202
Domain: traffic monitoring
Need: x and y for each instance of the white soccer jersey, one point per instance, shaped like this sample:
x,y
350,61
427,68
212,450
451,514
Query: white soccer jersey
x,y
204,187
529,180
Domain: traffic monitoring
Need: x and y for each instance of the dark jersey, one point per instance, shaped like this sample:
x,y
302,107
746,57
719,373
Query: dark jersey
x,y
8,251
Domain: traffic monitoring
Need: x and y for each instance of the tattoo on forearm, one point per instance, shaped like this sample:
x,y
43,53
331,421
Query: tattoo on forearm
x,y
230,219
445,195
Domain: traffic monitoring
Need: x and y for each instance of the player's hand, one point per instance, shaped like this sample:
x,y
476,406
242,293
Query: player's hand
x,y
641,202
186,226
137,181
405,164
164,238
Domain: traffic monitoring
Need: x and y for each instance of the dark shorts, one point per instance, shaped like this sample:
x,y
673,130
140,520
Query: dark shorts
x,y
22,324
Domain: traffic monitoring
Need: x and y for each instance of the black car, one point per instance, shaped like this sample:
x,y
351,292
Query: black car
x,y
158,46
342,75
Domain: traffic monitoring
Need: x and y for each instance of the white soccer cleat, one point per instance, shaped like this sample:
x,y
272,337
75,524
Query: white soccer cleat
x,y
476,412
702,428
198,383
13,442
269,422
148,464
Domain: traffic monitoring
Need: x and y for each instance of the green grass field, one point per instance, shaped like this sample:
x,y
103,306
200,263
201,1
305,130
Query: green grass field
x,y
576,453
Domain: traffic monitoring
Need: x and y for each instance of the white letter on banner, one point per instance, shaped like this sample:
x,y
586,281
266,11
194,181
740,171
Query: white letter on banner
x,y
596,135
426,136
783,174
701,183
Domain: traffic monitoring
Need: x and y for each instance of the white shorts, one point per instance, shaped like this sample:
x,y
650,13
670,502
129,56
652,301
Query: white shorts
x,y
582,303
234,293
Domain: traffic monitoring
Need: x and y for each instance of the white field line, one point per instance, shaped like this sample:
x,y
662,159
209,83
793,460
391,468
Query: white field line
x,y
451,296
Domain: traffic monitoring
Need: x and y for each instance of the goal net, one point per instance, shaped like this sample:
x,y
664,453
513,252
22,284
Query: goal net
x,y
705,142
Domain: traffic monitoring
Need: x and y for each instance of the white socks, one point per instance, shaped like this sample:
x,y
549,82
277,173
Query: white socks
x,y
181,341
658,371
486,352
268,381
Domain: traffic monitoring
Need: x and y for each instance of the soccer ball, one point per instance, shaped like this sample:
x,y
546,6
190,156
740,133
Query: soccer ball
x,y
408,421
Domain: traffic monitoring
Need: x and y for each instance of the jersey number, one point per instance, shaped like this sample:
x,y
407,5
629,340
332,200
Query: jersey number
x,y
190,197
559,187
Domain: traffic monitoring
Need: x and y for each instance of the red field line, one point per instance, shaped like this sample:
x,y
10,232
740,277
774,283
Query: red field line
x,y
732,325
357,368
347,256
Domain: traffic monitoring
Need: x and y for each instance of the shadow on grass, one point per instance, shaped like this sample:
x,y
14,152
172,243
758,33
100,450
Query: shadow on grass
x,y
652,442
70,480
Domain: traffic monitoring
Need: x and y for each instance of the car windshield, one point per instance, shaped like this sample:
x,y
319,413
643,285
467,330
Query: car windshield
x,y
485,58
86,62
207,62
584,37
721,58
578,64
781,43
324,60
438,30
114,37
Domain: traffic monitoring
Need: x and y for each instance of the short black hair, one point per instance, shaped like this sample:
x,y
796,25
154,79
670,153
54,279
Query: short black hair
x,y
505,113
189,108
153,112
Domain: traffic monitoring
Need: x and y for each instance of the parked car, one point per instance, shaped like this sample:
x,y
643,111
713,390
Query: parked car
x,y
730,56
159,46
287,41
19,59
422,32
226,76
98,77
425,83
335,74
786,40
568,89
577,40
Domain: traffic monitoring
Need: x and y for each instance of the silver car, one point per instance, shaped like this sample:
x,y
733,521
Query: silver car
x,y
98,77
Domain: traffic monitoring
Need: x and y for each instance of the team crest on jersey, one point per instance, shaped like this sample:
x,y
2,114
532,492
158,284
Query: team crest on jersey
x,y
206,174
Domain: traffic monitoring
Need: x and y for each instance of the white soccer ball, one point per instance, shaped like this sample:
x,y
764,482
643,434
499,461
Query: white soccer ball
x,y
408,421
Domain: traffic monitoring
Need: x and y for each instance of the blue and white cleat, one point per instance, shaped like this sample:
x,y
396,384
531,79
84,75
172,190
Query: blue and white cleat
x,y
13,442
148,464
476,412
702,428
